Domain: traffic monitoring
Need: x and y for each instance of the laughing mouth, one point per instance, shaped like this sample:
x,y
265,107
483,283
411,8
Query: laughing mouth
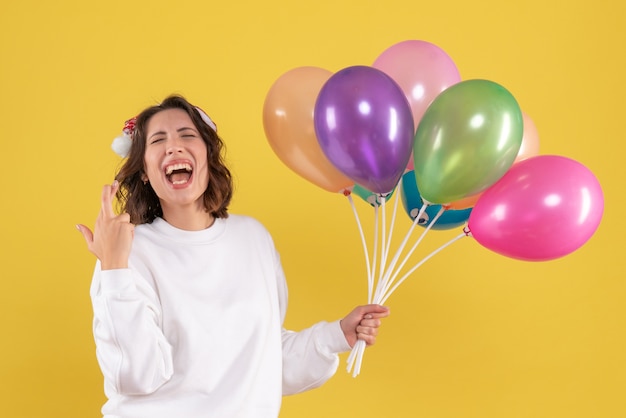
x,y
179,173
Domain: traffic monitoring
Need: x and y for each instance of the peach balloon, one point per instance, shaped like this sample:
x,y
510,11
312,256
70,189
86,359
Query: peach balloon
x,y
530,140
288,123
465,203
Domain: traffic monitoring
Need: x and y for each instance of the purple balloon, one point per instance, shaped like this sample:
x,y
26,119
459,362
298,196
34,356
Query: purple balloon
x,y
364,126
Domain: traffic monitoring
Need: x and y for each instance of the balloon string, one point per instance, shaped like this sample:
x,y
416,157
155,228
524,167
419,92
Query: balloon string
x,y
411,251
370,287
367,259
383,283
355,358
393,219
387,275
428,257
384,247
356,354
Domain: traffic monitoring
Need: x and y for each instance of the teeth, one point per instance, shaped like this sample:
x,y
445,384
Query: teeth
x,y
179,166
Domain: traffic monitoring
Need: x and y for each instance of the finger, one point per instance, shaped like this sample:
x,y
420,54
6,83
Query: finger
x,y
86,233
366,330
369,339
124,217
372,323
108,191
376,315
374,309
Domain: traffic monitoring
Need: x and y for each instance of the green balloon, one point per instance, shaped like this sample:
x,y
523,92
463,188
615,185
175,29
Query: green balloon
x,y
467,139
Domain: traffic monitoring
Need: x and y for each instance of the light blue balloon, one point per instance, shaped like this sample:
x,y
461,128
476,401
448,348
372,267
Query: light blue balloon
x,y
370,197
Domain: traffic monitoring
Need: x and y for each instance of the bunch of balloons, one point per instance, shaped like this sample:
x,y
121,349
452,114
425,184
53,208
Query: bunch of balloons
x,y
466,143
462,153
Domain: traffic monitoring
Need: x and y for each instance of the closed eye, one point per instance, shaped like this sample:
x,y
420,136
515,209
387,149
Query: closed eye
x,y
187,132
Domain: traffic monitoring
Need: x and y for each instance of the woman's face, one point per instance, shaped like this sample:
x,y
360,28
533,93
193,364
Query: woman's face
x,y
175,159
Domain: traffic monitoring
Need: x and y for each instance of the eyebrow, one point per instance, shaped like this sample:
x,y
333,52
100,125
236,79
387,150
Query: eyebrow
x,y
177,130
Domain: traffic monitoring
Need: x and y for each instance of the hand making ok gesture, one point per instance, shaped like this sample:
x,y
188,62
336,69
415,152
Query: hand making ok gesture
x,y
112,237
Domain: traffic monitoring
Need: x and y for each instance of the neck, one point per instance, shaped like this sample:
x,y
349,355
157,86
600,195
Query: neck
x,y
188,218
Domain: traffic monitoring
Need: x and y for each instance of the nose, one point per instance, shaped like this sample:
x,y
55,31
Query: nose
x,y
174,145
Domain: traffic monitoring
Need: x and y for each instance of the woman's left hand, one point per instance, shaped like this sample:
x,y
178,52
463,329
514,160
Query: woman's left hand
x,y
362,323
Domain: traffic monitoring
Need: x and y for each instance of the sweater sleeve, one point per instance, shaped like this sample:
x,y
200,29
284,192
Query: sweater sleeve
x,y
310,356
132,351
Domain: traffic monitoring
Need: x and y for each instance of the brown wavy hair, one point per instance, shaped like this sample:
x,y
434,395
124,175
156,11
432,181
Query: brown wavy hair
x,y
139,200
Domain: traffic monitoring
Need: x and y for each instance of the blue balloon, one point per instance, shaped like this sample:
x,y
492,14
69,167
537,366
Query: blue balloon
x,y
412,202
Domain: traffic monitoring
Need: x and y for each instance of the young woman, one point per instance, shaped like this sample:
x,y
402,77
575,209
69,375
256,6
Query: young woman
x,y
189,300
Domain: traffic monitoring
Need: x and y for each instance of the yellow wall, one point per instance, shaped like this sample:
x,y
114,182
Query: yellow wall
x,y
472,334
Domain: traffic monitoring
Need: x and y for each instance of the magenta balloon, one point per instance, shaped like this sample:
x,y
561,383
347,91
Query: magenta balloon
x,y
543,208
364,125
421,69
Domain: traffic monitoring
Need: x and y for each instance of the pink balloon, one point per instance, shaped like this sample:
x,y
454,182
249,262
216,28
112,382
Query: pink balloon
x,y
543,208
410,165
421,69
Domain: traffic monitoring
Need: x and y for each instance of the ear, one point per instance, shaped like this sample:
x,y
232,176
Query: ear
x,y
144,178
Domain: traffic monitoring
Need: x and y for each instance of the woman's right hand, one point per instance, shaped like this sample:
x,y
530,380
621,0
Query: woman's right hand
x,y
112,237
